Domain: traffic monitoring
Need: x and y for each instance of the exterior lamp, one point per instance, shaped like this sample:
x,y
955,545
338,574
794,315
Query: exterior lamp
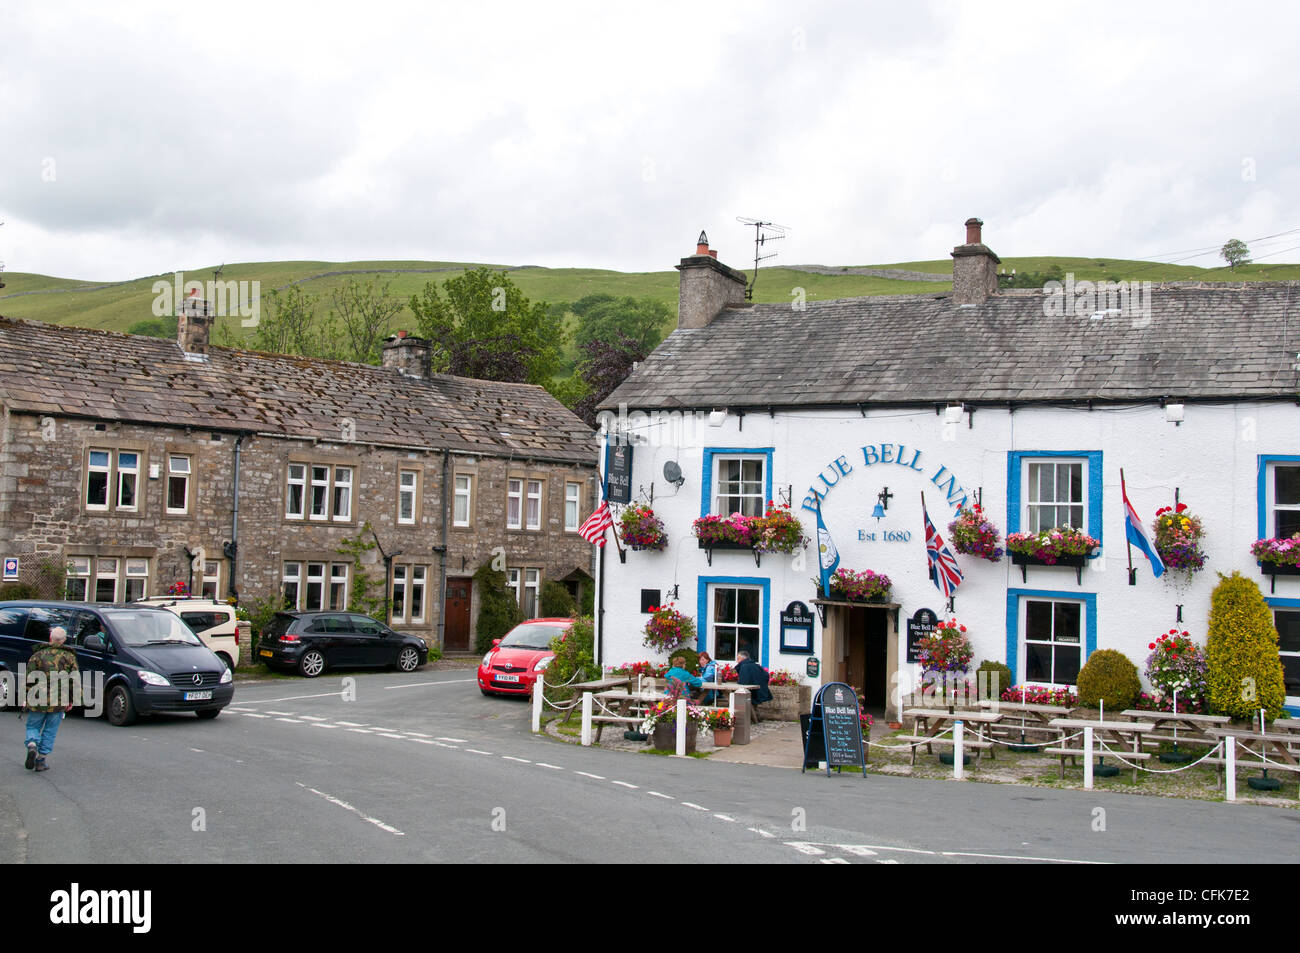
x,y
952,414
1174,413
717,418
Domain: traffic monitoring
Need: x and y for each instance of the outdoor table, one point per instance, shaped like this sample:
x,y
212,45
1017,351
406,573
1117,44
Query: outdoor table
x,y
1190,726
625,708
1034,716
934,721
1275,746
1126,734
598,685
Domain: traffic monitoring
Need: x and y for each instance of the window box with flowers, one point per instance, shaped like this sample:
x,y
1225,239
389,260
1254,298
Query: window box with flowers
x,y
1062,546
849,585
639,528
736,531
1178,539
777,530
1277,557
973,534
667,629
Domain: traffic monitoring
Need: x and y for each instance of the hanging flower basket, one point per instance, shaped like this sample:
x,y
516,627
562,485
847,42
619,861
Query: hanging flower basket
x,y
1176,663
1178,539
667,629
639,528
973,534
852,586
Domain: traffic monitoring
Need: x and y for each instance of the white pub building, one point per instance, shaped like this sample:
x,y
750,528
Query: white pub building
x,y
1028,401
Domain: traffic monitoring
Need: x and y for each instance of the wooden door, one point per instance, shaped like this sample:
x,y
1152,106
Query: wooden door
x,y
456,613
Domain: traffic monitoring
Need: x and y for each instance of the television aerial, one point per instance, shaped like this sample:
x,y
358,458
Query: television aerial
x,y
764,232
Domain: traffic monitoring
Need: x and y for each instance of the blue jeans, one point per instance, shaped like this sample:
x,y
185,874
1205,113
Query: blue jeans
x,y
42,726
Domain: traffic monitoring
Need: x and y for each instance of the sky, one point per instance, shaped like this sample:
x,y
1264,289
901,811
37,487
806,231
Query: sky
x,y
141,138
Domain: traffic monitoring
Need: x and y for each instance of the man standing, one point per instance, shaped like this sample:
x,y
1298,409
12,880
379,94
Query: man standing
x,y
57,665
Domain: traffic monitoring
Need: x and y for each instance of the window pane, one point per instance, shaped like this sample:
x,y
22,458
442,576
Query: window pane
x,y
1038,621
1286,485
1038,662
748,609
97,489
724,605
1067,621
724,637
178,488
749,642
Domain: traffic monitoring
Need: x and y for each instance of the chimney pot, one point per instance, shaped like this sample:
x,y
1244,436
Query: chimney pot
x,y
713,253
702,244
973,226
706,287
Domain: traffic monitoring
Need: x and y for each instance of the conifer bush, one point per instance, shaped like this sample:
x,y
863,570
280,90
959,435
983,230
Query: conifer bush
x,y
498,611
1244,672
1109,675
993,678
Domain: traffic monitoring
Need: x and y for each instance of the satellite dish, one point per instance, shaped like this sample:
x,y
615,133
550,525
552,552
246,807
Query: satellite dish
x,y
673,473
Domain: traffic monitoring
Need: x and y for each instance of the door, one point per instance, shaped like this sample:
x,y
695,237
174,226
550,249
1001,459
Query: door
x,y
455,636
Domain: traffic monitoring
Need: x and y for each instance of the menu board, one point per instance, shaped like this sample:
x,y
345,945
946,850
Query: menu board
x,y
836,708
922,623
618,472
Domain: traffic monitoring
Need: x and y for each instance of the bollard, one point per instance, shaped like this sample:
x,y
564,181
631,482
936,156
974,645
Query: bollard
x,y
740,709
1087,759
681,727
1230,767
538,687
958,758
586,718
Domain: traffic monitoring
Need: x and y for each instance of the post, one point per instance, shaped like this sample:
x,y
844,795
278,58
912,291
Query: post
x,y
681,727
958,760
740,708
1230,767
1087,759
586,718
539,687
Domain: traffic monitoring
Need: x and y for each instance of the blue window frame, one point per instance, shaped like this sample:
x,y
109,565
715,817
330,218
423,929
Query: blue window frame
x,y
1015,638
1266,497
710,456
1016,463
1289,649
704,603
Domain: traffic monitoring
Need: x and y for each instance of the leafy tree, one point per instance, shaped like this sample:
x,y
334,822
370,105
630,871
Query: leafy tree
x,y
1243,669
606,365
155,328
1033,279
556,601
603,317
363,314
288,324
483,326
1235,253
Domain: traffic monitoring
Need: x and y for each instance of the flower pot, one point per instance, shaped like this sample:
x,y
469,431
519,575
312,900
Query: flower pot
x,y
722,737
665,737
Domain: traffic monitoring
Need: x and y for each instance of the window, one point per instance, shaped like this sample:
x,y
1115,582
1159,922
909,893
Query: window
x,y
105,580
399,593
319,491
307,588
534,505
137,580
532,590
514,504
1287,621
178,484
736,621
1054,495
1283,500
407,481
211,579
463,500
419,576
1053,641
739,486
291,584
338,587
113,480
78,578
512,582
410,592
314,591
572,505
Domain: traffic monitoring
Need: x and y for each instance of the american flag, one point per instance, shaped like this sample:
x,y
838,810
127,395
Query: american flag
x,y
943,565
594,526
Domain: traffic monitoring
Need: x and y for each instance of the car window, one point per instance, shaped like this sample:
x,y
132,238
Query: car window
x,y
13,620
330,623
532,636
202,621
366,625
43,618
140,627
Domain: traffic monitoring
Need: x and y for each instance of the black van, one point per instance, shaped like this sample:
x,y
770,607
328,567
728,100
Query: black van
x,y
149,660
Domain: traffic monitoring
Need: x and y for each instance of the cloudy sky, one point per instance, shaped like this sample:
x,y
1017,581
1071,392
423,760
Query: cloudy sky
x,y
144,137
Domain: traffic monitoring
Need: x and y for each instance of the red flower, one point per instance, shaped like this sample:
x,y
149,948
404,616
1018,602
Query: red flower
x,y
1151,646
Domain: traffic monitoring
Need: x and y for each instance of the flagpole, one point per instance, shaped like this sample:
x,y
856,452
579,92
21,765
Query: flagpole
x,y
1128,543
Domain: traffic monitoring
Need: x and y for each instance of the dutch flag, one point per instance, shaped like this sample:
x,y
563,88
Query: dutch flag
x,y
1137,534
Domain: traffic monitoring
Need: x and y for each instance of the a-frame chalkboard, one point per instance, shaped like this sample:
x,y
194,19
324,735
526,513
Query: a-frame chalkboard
x,y
835,720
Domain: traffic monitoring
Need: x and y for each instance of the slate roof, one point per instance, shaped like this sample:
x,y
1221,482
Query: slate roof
x,y
60,370
1201,342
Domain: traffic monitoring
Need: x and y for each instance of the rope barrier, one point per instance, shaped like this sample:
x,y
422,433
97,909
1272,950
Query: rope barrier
x,y
1106,751
1261,755
946,731
1035,744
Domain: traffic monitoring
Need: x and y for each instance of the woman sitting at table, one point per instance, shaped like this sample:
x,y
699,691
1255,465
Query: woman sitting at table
x,y
679,679
708,673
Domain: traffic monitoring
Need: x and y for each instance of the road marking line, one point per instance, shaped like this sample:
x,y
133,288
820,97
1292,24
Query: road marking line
x,y
380,728
290,698
233,708
389,734
313,718
666,797
624,784
361,731
199,750
269,712
696,807
833,860
353,724
344,804
507,757
418,734
440,744
474,750
882,860
761,832
450,681
459,741
553,767
1041,860
724,817
588,774
295,721
322,724
253,714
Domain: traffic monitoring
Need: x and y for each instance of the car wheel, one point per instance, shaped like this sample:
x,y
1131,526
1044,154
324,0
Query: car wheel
x,y
208,714
408,660
225,660
120,710
312,663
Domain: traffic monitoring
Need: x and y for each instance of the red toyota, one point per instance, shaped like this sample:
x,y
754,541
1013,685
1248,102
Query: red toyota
x,y
510,667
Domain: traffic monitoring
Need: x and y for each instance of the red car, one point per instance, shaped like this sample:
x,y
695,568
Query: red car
x,y
510,667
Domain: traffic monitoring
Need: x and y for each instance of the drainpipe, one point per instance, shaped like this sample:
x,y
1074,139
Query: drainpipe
x,y
231,548
441,550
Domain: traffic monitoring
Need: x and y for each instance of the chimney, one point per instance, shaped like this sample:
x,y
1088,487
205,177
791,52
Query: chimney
x,y
974,267
407,355
193,324
706,286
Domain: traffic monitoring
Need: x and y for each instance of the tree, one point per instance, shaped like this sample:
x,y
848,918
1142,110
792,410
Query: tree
x,y
603,317
607,364
481,325
498,610
155,328
1235,253
288,324
1243,670
363,314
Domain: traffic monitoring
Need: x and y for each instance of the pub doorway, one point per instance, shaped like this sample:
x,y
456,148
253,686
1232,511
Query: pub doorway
x,y
867,668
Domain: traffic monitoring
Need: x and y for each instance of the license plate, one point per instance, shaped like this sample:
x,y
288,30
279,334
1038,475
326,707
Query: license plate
x,y
507,678
198,696
266,653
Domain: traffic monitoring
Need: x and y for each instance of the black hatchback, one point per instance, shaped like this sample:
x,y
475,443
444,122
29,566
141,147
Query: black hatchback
x,y
143,659
313,641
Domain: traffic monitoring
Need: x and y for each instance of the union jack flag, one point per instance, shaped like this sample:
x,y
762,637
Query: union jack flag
x,y
943,565
594,526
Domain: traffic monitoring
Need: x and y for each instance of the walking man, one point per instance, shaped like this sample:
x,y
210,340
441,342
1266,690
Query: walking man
x,y
50,695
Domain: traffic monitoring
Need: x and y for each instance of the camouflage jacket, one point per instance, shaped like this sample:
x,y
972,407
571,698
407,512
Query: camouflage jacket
x,y
50,659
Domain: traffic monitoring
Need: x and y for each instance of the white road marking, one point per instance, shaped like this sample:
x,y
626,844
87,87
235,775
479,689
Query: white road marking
x,y
624,784
199,750
476,751
312,718
253,714
389,734
361,731
450,681
761,832
269,712
696,807
440,744
381,728
290,698
424,741
506,757
322,724
344,804
666,797
1041,860
459,741
554,767
418,734
833,860
295,721
882,860
233,708
588,774
724,817
353,724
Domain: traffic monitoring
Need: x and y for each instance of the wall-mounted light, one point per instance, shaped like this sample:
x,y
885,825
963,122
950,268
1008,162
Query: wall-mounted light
x,y
1174,413
717,418
952,414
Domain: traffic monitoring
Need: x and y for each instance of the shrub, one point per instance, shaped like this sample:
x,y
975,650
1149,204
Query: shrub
x,y
18,590
1109,675
1244,672
557,603
498,611
995,682
575,655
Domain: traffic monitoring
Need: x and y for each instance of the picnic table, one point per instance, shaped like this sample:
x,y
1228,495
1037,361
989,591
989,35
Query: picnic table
x,y
597,685
622,708
1125,734
1267,750
1034,716
1186,726
931,722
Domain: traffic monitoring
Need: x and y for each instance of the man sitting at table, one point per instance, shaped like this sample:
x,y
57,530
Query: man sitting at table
x,y
679,679
750,673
